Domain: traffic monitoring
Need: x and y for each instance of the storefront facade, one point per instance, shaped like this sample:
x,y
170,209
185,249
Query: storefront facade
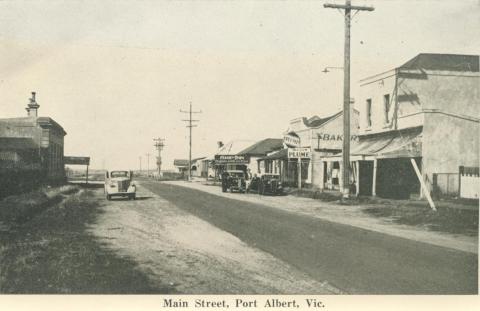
x,y
423,115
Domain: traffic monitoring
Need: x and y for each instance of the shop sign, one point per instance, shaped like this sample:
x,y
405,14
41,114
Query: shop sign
x,y
298,153
230,159
290,140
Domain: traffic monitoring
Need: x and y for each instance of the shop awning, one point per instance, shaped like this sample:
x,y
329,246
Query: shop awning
x,y
393,144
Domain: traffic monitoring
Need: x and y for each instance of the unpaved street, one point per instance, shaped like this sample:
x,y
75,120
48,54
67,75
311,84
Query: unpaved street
x,y
189,255
350,258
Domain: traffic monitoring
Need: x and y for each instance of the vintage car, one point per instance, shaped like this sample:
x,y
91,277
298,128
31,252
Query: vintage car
x,y
233,180
119,183
267,183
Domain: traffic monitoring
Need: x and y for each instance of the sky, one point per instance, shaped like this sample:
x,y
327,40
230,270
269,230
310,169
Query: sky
x,y
115,74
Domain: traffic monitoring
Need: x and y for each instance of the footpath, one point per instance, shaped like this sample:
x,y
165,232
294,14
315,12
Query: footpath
x,y
353,215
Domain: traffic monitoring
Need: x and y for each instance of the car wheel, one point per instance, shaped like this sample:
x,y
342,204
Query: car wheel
x,y
109,197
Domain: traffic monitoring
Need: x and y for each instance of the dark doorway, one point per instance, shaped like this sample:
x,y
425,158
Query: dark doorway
x,y
366,177
325,173
396,178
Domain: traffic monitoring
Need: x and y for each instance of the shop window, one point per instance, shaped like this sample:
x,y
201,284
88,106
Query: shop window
x,y
386,107
369,112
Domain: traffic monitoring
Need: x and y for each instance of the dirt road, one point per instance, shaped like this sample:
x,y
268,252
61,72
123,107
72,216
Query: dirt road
x,y
173,247
352,259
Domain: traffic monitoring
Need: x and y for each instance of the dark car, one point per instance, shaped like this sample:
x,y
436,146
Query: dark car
x,y
267,183
233,180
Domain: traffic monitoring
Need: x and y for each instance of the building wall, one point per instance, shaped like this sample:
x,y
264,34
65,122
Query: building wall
x,y
50,140
406,114
444,148
21,127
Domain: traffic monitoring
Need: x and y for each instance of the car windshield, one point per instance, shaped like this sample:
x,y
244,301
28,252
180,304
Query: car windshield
x,y
268,177
119,174
236,174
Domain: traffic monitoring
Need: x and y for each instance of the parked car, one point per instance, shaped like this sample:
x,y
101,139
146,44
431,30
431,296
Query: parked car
x,y
267,183
233,180
120,183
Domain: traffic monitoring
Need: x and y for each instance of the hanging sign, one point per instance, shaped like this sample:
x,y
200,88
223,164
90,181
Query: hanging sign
x,y
231,159
296,153
291,140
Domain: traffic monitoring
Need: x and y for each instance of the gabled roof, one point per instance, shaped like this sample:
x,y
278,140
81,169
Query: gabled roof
x,y
17,143
448,62
263,147
315,121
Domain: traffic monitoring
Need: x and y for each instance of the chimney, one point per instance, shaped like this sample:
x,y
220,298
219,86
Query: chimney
x,y
33,106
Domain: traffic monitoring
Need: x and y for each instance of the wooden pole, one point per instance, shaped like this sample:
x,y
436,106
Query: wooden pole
x,y
357,177
424,185
346,91
299,173
374,182
86,177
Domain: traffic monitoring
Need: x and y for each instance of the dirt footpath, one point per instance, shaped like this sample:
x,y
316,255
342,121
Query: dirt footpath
x,y
190,255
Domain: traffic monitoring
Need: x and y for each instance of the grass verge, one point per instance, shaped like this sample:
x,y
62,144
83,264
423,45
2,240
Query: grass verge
x,y
47,248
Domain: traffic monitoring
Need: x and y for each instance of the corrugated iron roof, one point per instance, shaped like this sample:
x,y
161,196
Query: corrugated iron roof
x,y
449,62
263,147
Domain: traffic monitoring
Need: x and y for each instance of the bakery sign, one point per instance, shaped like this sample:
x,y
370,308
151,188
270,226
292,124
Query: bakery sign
x,y
291,140
302,153
333,140
230,159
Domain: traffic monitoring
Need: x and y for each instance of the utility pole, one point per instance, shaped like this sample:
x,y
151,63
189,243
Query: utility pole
x,y
348,7
159,144
148,164
140,162
190,126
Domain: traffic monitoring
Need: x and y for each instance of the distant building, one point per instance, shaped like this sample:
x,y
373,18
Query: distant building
x,y
32,145
244,154
181,165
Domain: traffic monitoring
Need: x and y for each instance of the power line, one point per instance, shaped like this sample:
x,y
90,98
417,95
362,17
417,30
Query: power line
x,y
159,144
347,7
190,126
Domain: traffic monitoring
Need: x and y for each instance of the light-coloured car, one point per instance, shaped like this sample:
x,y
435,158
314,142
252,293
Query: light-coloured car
x,y
120,183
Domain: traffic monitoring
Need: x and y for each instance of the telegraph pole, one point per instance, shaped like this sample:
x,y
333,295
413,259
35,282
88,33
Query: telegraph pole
x,y
190,126
148,164
348,7
140,162
159,144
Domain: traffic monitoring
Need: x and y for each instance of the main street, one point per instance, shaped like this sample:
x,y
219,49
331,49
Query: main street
x,y
352,259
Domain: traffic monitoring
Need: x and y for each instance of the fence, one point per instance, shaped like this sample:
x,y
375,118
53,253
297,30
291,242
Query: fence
x,y
445,184
469,182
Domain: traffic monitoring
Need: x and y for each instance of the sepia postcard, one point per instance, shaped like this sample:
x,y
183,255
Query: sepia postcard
x,y
239,155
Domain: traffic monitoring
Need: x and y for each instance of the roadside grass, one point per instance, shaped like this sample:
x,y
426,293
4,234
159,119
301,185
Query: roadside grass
x,y
446,219
452,216
45,247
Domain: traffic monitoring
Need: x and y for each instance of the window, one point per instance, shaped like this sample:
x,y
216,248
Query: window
x,y
386,107
369,112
